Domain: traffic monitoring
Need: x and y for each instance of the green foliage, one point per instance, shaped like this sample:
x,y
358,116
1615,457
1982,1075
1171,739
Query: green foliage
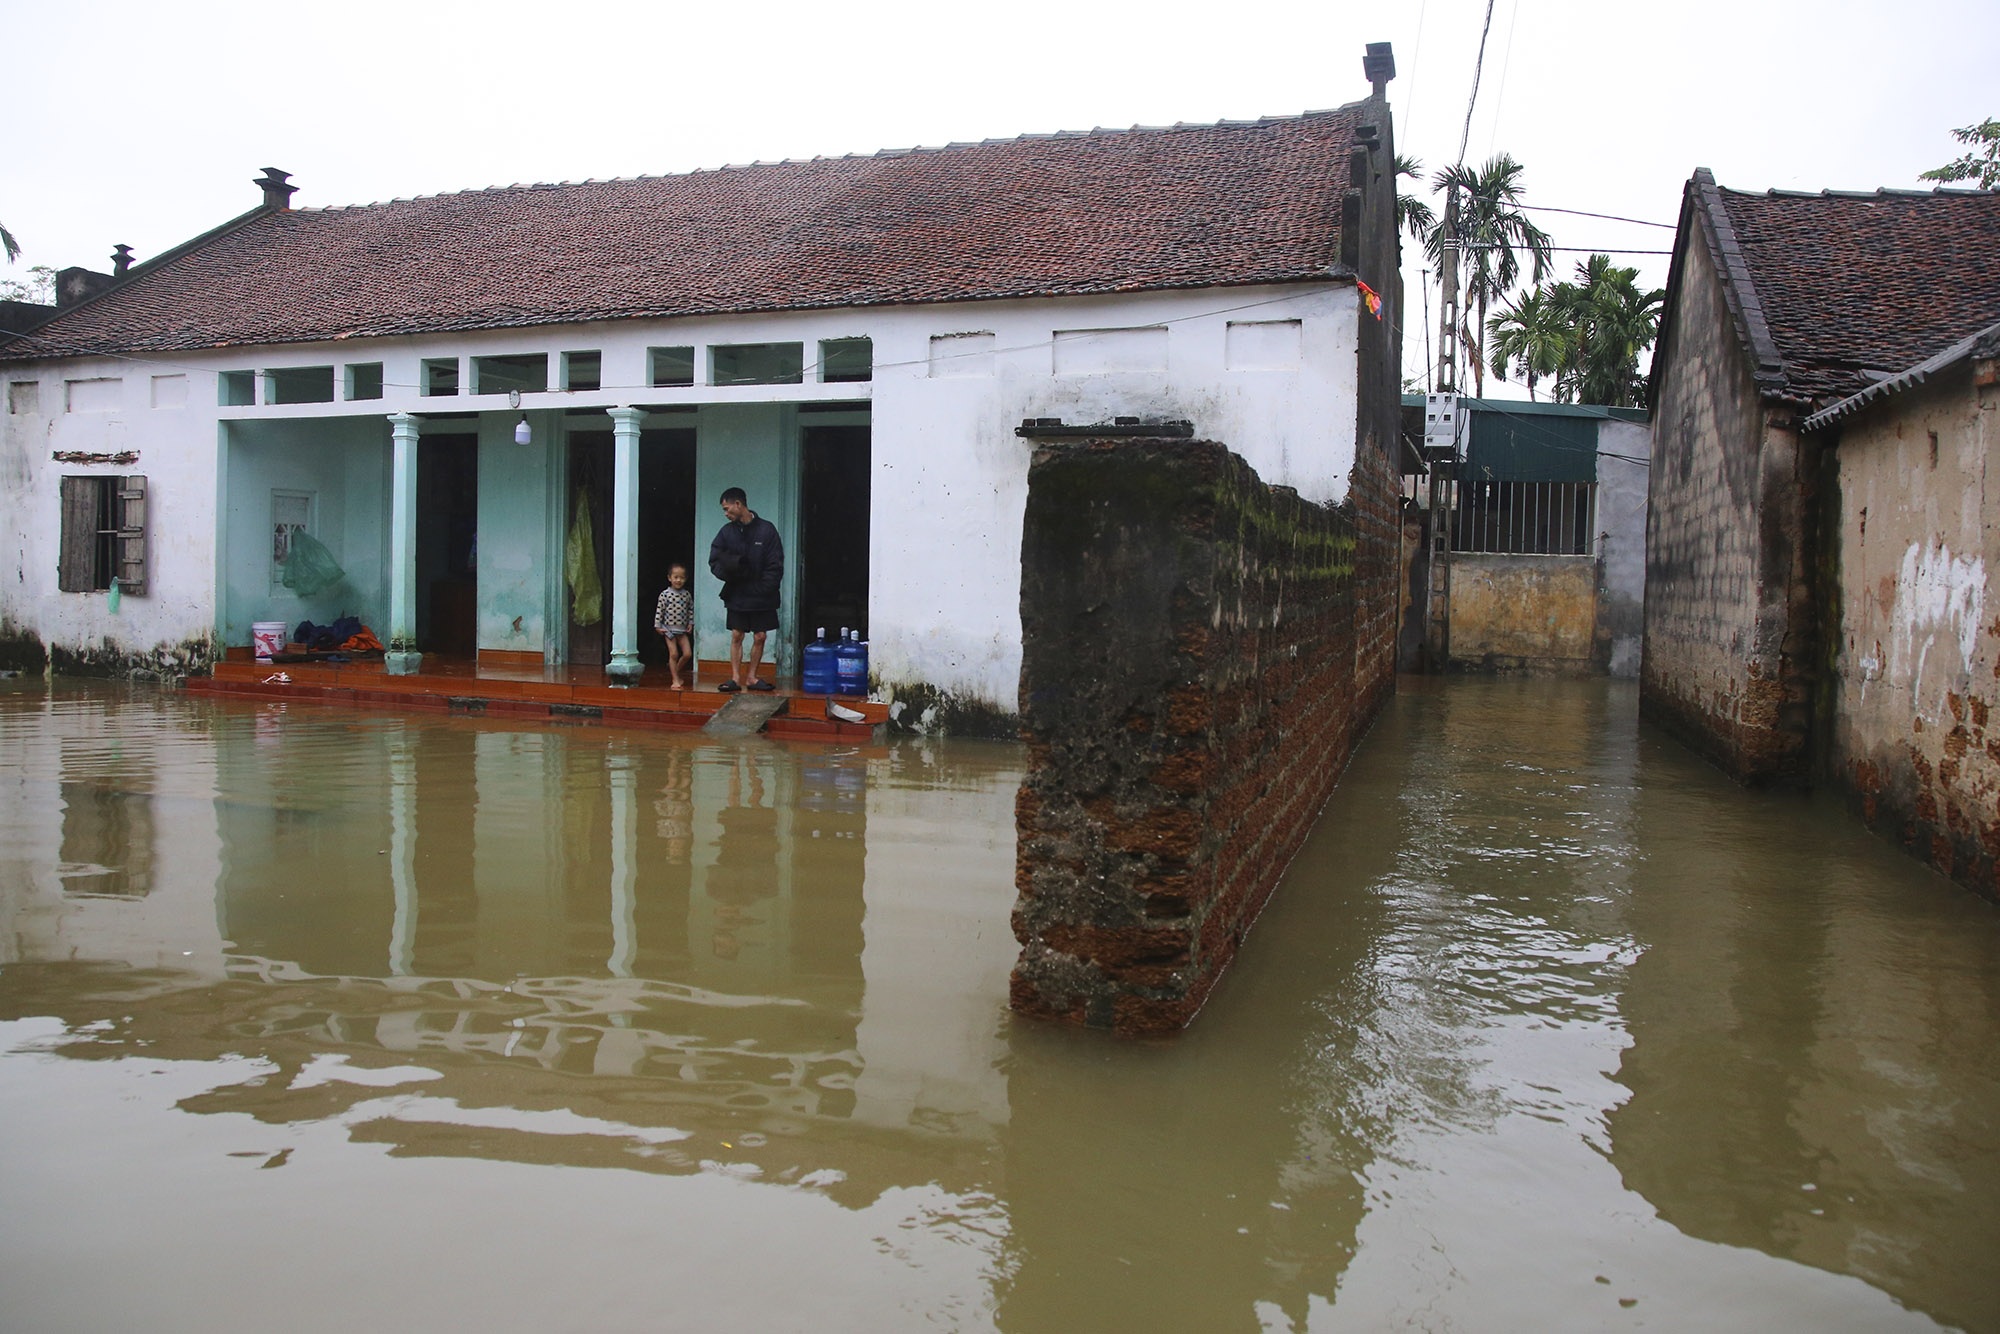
x,y
1981,165
39,288
1484,204
9,244
1588,334
1413,215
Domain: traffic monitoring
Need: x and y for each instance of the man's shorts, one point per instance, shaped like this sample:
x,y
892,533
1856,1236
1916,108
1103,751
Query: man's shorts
x,y
752,620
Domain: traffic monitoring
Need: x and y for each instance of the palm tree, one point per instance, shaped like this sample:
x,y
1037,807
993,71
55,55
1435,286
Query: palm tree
x,y
10,245
1413,215
1612,322
1491,227
1532,335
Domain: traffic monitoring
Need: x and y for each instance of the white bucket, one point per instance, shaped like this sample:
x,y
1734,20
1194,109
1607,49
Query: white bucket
x,y
268,637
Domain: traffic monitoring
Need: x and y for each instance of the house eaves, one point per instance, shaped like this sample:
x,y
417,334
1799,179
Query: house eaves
x,y
1984,345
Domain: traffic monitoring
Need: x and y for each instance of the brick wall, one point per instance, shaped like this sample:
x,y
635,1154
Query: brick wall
x,y
1189,695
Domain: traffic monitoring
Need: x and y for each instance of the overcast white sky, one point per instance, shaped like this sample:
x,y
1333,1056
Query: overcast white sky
x,y
144,123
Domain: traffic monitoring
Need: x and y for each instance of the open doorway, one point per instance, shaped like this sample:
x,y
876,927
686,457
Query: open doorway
x,y
587,501
833,530
666,526
447,545
666,533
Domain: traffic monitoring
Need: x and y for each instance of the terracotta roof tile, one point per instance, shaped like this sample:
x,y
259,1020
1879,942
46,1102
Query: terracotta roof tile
x,y
1106,211
1850,284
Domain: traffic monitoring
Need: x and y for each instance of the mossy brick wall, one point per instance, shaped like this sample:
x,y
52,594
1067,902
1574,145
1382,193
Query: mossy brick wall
x,y
1189,697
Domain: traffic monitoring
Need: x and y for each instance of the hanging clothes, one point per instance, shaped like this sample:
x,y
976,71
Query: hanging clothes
x,y
580,566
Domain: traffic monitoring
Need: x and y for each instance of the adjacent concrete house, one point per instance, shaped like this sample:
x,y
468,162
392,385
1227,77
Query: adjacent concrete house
x,y
474,401
1821,523
1525,538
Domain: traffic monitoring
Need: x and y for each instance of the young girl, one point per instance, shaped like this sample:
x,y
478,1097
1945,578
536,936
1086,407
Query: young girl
x,y
674,619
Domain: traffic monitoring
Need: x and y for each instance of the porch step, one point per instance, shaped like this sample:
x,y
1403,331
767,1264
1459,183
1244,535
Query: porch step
x,y
743,715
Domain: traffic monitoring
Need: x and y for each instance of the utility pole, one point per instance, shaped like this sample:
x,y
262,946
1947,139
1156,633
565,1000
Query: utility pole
x,y
1447,378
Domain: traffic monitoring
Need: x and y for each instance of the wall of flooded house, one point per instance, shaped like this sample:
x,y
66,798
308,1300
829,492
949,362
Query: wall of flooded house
x,y
1727,638
1192,685
1623,482
1916,659
1537,612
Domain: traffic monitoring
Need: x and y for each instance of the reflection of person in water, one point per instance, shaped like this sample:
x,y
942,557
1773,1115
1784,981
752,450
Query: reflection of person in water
x,y
675,805
746,856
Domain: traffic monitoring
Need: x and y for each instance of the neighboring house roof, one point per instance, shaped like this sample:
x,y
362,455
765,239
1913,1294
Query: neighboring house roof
x,y
1982,346
1832,291
1048,215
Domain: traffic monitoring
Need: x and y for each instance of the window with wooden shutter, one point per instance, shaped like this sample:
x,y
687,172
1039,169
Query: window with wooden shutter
x,y
76,567
132,535
103,535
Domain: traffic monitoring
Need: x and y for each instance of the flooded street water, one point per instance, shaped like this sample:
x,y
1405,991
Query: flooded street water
x,y
325,1019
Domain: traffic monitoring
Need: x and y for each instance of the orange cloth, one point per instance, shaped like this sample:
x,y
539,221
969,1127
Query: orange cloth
x,y
362,641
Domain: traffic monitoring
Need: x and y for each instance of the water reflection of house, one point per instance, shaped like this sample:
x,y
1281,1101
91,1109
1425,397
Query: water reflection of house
x,y
853,340
393,889
1525,537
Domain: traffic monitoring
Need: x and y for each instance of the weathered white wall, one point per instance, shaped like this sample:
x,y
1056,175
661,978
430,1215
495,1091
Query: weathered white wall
x,y
1916,660
949,481
176,445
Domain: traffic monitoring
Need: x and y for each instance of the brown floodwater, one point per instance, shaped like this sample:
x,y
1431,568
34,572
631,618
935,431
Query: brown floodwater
x,y
327,1020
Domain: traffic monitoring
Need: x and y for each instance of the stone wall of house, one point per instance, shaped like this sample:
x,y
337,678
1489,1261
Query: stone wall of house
x,y
1189,695
1915,679
1727,659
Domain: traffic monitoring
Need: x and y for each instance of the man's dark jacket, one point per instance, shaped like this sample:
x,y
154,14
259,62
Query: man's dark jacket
x,y
749,559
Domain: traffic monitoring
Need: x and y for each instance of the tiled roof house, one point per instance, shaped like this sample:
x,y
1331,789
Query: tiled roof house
x,y
853,340
1818,535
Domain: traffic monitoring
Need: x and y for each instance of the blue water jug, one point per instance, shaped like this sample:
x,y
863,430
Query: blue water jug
x,y
818,674
850,661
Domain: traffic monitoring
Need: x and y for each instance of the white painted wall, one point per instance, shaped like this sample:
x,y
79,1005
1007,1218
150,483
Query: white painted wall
x,y
950,475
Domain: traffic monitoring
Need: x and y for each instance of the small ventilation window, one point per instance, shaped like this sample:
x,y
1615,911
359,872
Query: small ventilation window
x,y
236,389
846,360
517,374
364,380
671,365
757,363
441,377
299,384
583,370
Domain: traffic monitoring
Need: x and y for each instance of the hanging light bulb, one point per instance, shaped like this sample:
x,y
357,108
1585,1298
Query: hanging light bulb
x,y
522,435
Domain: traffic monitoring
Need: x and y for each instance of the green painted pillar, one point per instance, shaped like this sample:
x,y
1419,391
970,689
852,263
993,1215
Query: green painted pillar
x,y
625,667
402,658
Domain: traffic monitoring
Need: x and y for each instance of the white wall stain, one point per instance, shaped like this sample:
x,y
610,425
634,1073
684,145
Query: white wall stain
x,y
1940,600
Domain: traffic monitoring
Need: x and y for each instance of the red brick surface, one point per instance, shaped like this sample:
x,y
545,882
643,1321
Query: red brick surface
x,y
1182,737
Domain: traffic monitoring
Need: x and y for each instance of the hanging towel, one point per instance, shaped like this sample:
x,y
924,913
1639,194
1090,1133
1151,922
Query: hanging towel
x,y
580,566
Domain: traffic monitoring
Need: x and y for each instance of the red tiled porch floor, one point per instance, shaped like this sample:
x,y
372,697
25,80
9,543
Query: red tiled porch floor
x,y
569,694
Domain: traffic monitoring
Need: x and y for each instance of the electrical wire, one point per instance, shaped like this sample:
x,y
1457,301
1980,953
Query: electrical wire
x,y
1478,66
1608,217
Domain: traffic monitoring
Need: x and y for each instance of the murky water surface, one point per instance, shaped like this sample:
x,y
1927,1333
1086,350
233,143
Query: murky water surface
x,y
329,1020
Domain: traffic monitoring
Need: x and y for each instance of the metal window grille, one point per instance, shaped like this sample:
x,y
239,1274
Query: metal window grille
x,y
1521,518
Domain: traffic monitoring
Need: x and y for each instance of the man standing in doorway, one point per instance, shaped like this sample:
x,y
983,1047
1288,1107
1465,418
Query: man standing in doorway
x,y
749,559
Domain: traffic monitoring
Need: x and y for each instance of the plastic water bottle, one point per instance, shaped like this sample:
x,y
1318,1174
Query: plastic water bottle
x,y
819,676
850,659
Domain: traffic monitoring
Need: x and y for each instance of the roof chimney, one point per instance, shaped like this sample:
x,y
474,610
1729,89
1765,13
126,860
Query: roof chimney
x,y
1379,65
277,194
121,260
